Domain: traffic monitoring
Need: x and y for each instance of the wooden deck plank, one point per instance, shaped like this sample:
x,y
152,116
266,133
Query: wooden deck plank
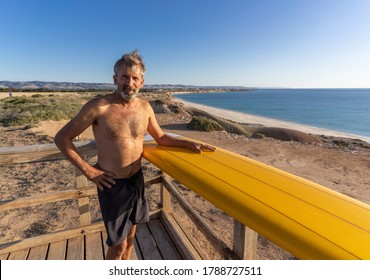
x,y
57,250
136,254
75,249
49,238
166,246
105,246
19,255
38,253
147,243
94,247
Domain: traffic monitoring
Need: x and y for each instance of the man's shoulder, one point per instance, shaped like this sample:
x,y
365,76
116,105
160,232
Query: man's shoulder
x,y
101,100
97,105
144,103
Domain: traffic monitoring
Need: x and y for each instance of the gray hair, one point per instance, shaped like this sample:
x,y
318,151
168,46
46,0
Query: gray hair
x,y
129,60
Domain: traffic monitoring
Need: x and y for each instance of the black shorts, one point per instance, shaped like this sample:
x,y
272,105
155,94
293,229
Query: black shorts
x,y
122,206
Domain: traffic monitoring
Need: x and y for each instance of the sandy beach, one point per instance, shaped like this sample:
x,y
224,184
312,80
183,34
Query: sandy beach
x,y
253,119
342,168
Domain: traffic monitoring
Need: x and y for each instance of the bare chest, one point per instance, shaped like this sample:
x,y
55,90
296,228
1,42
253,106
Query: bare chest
x,y
118,123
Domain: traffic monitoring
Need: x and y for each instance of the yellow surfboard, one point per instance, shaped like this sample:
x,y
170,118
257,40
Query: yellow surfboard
x,y
306,219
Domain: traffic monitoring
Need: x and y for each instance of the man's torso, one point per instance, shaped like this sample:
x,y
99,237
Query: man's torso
x,y
119,132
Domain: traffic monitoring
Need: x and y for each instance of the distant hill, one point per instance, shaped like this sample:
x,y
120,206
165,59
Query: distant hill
x,y
34,85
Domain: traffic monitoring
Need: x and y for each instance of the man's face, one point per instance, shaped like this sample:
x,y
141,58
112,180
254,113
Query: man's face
x,y
129,81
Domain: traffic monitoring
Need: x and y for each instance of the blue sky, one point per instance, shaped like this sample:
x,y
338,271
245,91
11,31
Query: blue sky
x,y
257,43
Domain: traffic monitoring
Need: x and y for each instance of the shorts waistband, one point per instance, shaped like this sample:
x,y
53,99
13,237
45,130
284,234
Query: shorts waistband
x,y
127,179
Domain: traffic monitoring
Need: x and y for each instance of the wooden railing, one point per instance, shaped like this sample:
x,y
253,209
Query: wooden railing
x,y
244,239
49,152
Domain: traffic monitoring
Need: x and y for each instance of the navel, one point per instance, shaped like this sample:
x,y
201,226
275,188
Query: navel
x,y
113,134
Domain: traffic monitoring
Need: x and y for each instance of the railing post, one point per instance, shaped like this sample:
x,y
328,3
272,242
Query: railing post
x,y
83,202
165,196
245,241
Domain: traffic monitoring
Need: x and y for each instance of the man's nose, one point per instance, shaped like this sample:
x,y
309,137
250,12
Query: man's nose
x,y
129,81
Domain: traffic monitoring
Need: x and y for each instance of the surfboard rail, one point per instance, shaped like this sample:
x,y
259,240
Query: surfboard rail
x,y
307,219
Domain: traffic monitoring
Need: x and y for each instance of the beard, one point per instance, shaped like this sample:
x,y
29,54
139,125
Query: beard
x,y
128,93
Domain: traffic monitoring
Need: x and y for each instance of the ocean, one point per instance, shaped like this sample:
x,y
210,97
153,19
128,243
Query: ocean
x,y
342,110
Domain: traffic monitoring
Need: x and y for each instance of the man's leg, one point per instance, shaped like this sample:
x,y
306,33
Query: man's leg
x,y
116,252
129,244
123,250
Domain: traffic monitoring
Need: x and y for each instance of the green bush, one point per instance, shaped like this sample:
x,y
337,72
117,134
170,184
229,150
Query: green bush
x,y
204,124
29,110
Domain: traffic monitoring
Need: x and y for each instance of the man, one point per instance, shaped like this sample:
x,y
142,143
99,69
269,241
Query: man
x,y
120,121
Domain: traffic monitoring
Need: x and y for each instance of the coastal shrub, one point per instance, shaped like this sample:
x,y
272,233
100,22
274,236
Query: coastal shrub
x,y
341,142
29,110
175,108
204,124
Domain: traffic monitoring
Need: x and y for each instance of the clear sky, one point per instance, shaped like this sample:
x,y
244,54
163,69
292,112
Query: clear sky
x,y
256,43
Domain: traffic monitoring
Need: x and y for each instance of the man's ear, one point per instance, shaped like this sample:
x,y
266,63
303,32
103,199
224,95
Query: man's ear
x,y
115,79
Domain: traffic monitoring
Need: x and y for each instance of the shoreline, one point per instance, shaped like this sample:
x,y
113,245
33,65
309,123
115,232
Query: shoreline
x,y
268,122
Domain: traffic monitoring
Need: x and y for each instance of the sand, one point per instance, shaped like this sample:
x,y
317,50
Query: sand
x,y
253,119
342,168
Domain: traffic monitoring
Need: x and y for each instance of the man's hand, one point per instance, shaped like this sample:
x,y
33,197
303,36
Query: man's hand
x,y
198,147
100,177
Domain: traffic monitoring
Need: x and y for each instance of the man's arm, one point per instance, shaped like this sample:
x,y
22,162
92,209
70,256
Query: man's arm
x,y
166,140
64,141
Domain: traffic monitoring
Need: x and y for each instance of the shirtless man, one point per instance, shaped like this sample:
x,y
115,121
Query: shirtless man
x,y
120,121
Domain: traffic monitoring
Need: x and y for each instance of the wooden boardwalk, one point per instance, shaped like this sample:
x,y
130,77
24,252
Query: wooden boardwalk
x,y
153,242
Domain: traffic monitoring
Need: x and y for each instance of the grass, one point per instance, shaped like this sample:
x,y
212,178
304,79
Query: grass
x,y
204,124
31,110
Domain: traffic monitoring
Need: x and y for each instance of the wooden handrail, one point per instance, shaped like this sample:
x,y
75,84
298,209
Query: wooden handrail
x,y
44,198
41,152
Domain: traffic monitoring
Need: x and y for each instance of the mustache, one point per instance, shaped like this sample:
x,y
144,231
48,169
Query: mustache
x,y
128,88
